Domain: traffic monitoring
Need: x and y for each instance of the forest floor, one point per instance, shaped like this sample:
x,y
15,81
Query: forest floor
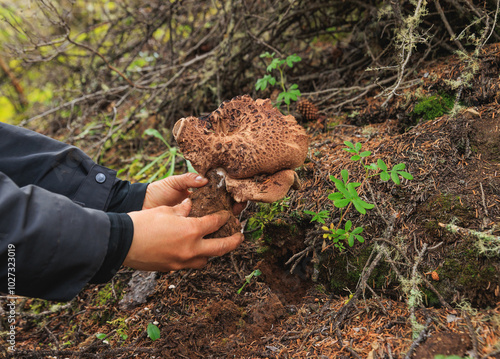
x,y
455,162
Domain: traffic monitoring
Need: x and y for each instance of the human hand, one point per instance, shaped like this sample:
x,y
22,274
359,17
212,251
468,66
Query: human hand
x,y
166,239
171,190
174,189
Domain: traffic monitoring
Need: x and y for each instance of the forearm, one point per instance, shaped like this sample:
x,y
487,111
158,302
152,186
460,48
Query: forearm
x,y
59,246
30,158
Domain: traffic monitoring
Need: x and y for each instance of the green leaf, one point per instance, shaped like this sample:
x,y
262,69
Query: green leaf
x,y
306,211
267,55
100,336
359,207
292,58
405,175
358,147
355,158
381,164
274,64
345,175
366,204
153,332
373,167
341,203
365,153
335,196
384,176
357,230
351,188
399,167
261,84
348,226
351,240
349,144
395,178
155,133
341,188
359,238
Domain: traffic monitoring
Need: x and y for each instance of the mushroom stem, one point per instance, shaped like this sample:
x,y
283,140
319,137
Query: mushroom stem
x,y
213,197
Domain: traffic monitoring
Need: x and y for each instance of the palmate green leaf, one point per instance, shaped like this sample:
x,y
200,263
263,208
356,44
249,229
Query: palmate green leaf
x,y
267,55
293,58
153,332
274,64
261,83
288,96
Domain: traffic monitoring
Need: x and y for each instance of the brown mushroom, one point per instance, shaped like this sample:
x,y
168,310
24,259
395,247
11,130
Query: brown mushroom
x,y
243,136
248,148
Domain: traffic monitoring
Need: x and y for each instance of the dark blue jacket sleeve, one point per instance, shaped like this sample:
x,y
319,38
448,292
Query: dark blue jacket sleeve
x,y
58,246
53,200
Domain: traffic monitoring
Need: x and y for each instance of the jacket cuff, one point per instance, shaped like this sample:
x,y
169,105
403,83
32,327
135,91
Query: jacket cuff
x,y
94,190
127,197
120,240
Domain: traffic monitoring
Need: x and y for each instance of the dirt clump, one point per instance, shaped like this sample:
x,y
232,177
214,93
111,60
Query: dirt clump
x,y
446,344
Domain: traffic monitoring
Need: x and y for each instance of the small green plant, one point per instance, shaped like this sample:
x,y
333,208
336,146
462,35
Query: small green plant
x,y
248,278
165,159
347,195
288,92
338,235
101,336
320,217
153,332
266,214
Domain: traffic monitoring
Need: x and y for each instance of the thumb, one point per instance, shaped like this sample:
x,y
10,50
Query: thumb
x,y
183,208
187,180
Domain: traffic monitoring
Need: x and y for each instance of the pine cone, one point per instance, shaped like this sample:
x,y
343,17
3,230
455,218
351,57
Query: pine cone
x,y
307,110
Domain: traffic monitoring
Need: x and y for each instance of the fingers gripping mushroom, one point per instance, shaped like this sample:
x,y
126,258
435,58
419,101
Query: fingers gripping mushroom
x,y
247,149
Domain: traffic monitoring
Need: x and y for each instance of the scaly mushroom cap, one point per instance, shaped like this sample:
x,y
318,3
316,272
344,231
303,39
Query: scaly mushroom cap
x,y
243,136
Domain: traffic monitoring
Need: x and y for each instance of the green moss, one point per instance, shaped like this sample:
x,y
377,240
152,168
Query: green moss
x,y
341,278
431,107
467,271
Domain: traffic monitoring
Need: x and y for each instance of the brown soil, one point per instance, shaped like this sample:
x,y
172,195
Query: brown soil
x,y
319,311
